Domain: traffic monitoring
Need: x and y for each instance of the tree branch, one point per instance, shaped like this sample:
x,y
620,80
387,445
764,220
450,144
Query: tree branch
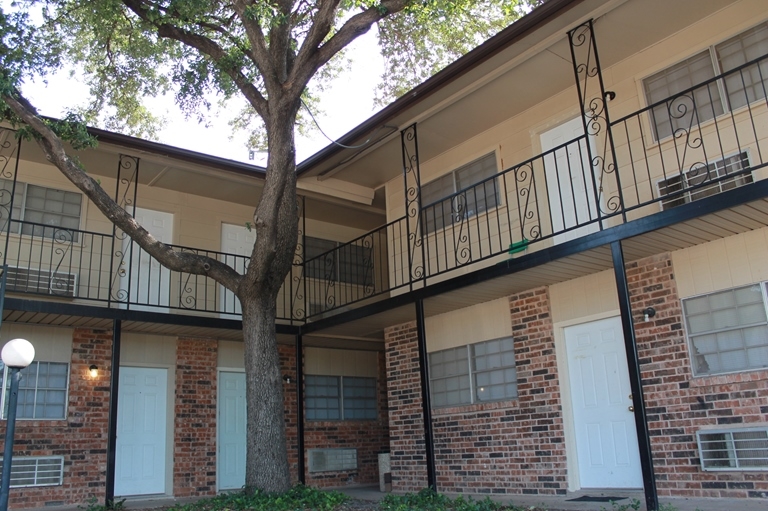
x,y
55,152
258,42
207,47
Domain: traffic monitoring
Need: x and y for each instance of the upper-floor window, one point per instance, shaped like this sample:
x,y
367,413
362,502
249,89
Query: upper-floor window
x,y
351,263
474,373
728,330
439,213
45,212
42,391
717,97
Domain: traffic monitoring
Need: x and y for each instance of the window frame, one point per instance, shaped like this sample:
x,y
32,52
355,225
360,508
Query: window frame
x,y
472,372
21,221
338,274
37,459
692,350
341,397
709,463
723,101
6,389
439,222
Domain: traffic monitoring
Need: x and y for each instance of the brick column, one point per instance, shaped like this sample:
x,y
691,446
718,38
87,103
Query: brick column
x,y
194,449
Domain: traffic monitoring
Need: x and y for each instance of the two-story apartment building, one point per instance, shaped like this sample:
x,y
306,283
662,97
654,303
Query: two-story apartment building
x,y
551,277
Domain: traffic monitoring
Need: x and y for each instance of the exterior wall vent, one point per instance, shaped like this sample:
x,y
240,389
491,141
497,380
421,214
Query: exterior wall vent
x,y
40,281
36,471
331,460
736,449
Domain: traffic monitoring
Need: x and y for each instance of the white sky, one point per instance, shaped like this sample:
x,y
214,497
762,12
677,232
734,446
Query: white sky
x,y
345,104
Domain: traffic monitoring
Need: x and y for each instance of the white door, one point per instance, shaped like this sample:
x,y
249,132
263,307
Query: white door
x,y
236,244
570,187
231,427
141,431
606,438
148,282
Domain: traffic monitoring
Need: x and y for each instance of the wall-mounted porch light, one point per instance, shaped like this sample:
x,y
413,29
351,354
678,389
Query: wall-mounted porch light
x,y
93,371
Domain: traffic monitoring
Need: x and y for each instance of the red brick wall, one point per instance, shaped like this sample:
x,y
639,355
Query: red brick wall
x,y
513,446
369,437
194,450
406,424
81,439
679,404
288,367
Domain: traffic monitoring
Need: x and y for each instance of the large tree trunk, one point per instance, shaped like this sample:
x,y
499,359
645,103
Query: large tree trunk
x,y
276,223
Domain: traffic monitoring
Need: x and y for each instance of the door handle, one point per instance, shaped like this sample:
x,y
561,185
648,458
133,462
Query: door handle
x,y
631,408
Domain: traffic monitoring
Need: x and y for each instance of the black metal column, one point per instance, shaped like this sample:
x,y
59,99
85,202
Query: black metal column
x,y
6,199
426,405
635,380
114,384
300,406
412,178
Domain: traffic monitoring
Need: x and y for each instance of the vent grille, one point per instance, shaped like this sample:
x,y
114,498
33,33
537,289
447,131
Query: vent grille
x,y
31,471
738,449
329,460
40,281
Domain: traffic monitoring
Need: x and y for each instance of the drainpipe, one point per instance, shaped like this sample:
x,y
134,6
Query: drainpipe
x,y
635,380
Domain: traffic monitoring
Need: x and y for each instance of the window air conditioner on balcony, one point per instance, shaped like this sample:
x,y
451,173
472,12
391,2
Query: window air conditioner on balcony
x,y
41,281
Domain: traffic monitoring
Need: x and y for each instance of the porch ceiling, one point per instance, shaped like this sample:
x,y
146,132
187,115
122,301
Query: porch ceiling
x,y
724,223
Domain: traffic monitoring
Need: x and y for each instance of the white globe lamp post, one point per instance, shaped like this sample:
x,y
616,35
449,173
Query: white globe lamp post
x,y
17,354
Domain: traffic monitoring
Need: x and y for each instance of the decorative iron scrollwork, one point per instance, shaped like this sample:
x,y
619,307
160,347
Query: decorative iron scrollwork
x,y
413,207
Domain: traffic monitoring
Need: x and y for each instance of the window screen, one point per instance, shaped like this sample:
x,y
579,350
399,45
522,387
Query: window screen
x,y
323,399
727,330
42,391
340,397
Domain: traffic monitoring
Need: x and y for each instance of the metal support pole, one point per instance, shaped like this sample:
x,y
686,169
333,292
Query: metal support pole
x,y
114,384
426,405
635,380
14,373
300,406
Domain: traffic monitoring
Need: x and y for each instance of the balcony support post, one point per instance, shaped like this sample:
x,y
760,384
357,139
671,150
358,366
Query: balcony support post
x,y
426,405
300,407
606,198
635,379
120,262
412,179
6,202
114,384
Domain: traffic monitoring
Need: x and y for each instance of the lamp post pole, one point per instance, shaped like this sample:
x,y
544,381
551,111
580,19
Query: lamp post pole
x,y
17,354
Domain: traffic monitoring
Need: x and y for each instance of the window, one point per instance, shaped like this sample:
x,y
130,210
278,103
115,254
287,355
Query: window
x,y
351,263
715,98
721,171
42,391
439,213
33,471
728,330
474,373
739,449
340,398
44,208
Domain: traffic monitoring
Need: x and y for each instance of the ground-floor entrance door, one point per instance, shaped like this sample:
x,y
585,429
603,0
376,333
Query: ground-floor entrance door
x,y
231,427
141,431
605,434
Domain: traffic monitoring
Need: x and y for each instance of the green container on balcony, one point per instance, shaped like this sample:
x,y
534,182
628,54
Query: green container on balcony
x,y
518,246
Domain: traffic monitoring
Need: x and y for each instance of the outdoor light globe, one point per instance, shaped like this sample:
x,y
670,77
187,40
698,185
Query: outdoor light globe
x,y
18,353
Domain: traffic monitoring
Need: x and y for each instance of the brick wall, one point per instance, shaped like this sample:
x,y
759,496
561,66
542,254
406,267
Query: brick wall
x,y
514,447
81,439
369,437
194,450
288,367
677,403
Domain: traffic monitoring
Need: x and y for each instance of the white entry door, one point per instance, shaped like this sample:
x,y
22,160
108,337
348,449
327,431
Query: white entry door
x,y
231,427
148,282
570,188
236,244
141,431
606,438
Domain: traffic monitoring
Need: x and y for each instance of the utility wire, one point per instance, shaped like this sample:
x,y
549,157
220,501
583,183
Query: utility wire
x,y
360,146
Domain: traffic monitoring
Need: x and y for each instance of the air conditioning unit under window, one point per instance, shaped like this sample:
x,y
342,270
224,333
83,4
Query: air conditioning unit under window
x,y
41,281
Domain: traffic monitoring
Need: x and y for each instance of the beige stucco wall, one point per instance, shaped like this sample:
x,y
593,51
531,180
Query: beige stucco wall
x,y
336,362
52,344
147,350
725,263
481,322
584,297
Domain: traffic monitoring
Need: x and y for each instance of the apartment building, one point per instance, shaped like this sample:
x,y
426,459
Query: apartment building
x,y
549,277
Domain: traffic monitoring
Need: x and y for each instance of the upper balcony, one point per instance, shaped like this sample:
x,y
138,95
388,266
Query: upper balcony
x,y
690,146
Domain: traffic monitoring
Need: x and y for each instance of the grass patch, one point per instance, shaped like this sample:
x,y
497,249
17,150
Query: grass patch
x,y
428,500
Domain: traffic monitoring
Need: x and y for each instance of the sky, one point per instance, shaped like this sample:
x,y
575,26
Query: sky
x,y
347,102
